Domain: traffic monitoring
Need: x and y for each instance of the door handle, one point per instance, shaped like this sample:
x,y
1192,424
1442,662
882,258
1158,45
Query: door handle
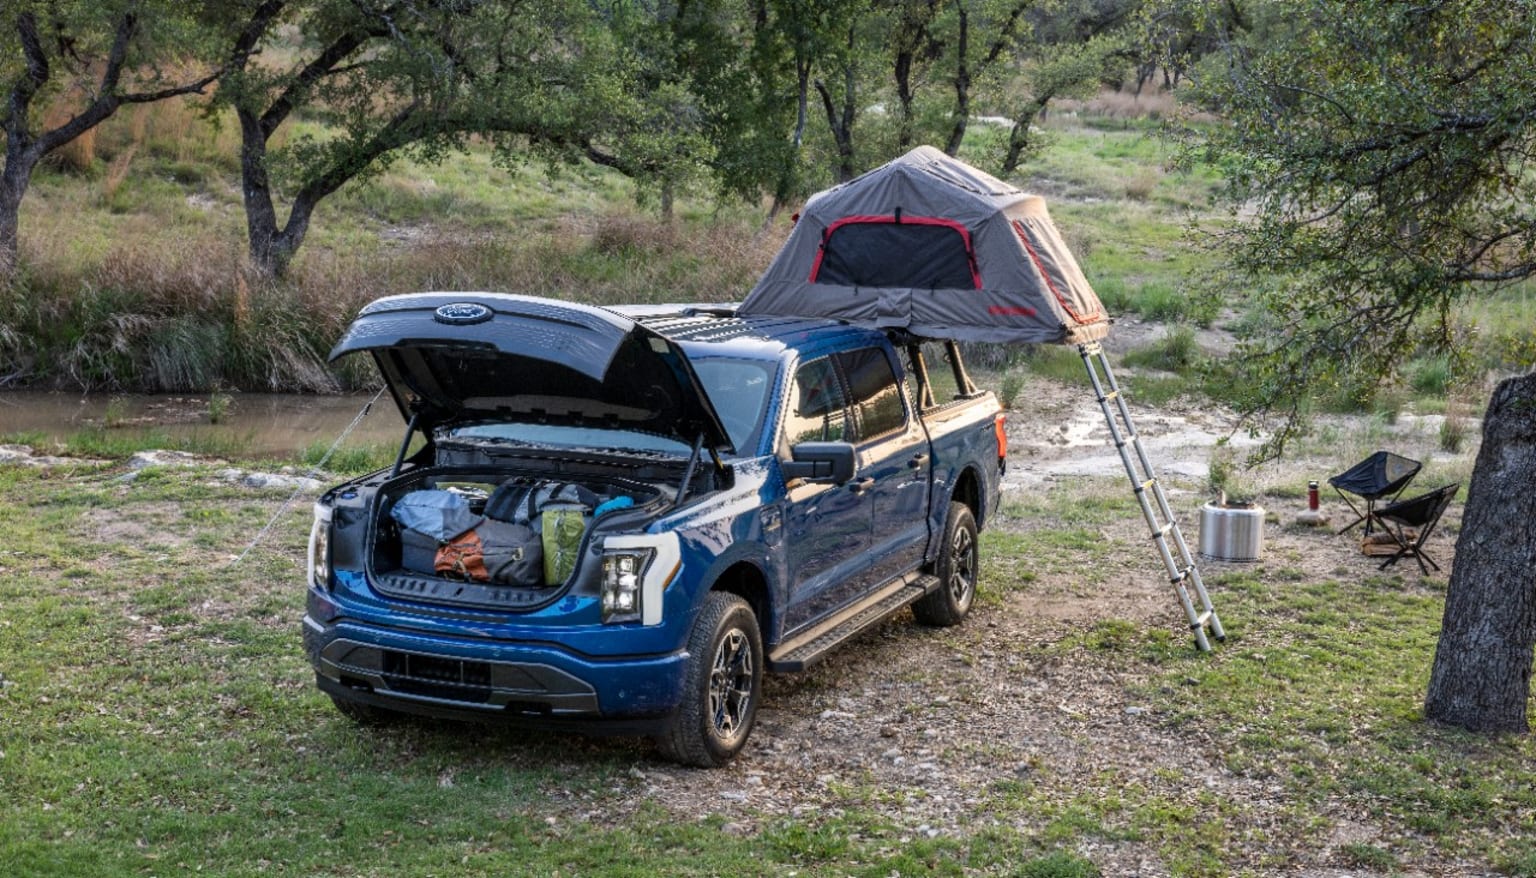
x,y
859,486
917,461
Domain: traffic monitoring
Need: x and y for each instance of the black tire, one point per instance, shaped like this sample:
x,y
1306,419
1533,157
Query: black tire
x,y
366,714
721,688
956,569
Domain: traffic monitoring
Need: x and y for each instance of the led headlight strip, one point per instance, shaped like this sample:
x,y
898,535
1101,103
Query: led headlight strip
x,y
636,571
320,548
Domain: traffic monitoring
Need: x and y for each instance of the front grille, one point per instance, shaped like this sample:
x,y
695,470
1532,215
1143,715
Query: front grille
x,y
437,677
516,687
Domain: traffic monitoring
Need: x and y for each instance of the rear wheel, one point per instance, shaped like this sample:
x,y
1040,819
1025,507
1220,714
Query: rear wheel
x,y
956,569
722,686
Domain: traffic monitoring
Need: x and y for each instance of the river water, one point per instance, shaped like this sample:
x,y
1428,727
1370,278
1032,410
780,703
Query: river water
x,y
255,424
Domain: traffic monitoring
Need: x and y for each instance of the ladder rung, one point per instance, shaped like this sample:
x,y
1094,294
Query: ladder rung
x,y
1095,359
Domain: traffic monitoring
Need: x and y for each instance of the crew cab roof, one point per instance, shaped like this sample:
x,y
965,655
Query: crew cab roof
x,y
716,330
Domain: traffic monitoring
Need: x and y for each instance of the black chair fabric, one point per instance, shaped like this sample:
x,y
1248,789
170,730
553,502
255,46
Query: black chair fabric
x,y
1383,474
1421,513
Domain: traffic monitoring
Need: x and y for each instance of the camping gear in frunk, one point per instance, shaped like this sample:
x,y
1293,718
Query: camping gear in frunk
x,y
503,552
563,524
428,519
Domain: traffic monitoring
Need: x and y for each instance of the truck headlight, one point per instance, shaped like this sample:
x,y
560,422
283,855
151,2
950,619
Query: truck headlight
x,y
320,548
621,584
636,571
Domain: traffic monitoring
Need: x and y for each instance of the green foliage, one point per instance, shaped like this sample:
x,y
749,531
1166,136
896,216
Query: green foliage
x,y
351,459
1008,391
1058,865
66,67
1166,303
1380,207
1176,351
218,406
1430,375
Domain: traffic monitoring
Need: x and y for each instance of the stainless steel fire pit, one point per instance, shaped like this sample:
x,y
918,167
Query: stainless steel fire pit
x,y
1231,531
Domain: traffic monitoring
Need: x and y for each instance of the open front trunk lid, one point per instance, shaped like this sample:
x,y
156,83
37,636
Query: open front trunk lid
x,y
475,357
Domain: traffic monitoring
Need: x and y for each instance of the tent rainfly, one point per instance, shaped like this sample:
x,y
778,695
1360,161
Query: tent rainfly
x,y
933,246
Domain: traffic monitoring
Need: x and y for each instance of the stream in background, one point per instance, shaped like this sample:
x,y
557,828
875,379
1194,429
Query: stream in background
x,y
249,424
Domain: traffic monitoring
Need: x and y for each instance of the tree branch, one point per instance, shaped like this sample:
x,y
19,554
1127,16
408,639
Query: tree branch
x,y
37,75
118,54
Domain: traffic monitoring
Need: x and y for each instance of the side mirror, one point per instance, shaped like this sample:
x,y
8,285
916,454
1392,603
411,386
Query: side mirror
x,y
820,462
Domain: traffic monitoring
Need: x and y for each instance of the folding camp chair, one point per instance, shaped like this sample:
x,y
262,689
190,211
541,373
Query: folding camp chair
x,y
1421,513
1382,475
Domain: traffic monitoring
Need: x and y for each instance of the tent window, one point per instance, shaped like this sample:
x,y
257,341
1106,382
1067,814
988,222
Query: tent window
x,y
917,252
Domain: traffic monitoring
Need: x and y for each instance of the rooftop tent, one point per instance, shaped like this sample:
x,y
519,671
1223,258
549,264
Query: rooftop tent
x,y
929,244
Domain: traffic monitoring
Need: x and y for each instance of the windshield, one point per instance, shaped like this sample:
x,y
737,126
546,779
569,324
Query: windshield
x,y
738,390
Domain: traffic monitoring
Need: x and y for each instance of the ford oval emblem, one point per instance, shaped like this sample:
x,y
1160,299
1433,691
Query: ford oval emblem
x,y
462,313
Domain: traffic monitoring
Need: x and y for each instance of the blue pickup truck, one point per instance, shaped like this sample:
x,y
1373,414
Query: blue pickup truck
x,y
748,493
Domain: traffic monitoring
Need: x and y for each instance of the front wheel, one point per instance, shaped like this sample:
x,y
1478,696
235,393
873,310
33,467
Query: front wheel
x,y
722,686
956,569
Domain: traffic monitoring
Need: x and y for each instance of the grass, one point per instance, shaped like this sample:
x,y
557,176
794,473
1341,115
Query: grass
x,y
158,716
122,442
350,459
1316,695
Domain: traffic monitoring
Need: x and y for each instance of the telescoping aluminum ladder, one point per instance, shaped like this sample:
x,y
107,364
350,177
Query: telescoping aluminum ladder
x,y
1182,571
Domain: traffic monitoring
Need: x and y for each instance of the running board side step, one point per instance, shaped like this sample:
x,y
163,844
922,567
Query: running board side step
x,y
810,646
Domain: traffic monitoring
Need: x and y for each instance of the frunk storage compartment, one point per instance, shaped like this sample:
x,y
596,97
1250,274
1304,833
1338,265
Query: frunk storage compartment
x,y
494,530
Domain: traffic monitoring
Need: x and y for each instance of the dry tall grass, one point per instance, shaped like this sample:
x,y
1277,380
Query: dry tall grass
x,y
184,314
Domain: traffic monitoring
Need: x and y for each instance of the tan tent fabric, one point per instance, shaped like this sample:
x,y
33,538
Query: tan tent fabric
x,y
1026,286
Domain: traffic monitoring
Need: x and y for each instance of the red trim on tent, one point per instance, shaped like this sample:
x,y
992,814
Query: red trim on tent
x,y
1011,311
890,219
1018,229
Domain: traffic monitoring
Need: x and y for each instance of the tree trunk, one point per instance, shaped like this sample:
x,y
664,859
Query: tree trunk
x,y
256,193
962,114
21,158
904,98
10,211
1019,143
1481,679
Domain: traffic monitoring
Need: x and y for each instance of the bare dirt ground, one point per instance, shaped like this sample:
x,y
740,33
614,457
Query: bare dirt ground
x,y
947,732
923,725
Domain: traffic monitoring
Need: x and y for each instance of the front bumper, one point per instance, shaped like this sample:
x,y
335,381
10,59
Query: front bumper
x,y
488,679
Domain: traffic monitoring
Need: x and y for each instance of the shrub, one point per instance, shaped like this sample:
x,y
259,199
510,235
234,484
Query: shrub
x,y
1176,351
1012,383
1140,186
1430,376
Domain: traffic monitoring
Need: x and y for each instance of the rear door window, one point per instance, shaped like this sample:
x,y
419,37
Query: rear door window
x,y
875,397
